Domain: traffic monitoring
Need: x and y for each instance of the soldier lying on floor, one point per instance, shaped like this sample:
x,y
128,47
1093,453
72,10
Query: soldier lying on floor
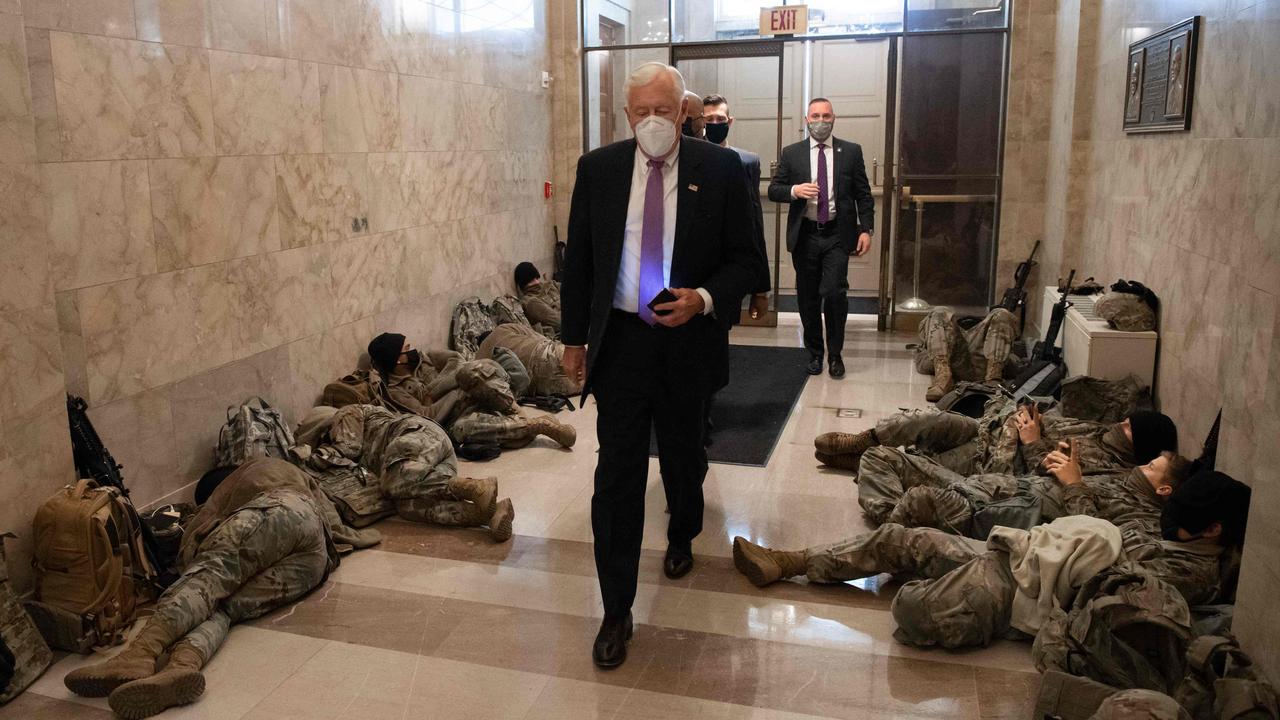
x,y
474,400
949,352
414,462
261,541
540,356
896,487
1007,439
972,593
540,298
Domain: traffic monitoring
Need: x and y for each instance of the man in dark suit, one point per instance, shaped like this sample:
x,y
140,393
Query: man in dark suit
x,y
659,211
832,216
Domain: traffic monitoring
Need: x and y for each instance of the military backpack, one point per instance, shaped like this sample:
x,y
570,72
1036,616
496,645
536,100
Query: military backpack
x,y
91,570
471,319
23,653
507,309
253,429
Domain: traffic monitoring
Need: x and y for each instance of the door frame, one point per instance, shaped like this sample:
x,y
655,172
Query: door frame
x,y
749,49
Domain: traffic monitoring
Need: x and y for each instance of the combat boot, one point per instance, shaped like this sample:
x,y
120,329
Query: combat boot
x,y
995,373
942,382
840,462
554,429
840,443
500,522
180,683
763,566
481,491
135,662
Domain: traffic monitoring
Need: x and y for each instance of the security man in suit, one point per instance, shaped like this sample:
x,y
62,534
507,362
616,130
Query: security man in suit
x,y
831,216
660,211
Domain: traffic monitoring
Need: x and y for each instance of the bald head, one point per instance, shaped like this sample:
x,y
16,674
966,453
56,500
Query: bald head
x,y
694,124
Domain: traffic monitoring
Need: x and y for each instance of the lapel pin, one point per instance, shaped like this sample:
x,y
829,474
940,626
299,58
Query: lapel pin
x,y
693,187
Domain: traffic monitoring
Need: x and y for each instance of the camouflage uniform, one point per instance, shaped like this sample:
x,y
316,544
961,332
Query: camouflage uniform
x,y
1115,497
1100,448
966,595
411,455
542,306
538,354
1140,705
957,442
969,352
271,551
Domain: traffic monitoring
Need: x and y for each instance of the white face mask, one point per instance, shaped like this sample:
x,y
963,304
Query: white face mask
x,y
656,135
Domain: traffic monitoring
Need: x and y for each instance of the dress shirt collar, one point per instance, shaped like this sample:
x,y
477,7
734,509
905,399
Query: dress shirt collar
x,y
829,142
668,162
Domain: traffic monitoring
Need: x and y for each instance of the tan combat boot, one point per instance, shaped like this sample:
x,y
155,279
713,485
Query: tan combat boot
x,y
554,429
500,522
942,382
180,683
135,662
840,462
841,443
481,491
763,566
995,373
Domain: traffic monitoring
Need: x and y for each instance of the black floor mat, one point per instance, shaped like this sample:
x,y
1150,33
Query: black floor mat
x,y
857,305
749,414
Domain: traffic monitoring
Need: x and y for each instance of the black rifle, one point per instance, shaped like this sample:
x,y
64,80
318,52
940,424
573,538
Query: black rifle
x,y
1015,298
1048,349
94,461
1208,459
557,272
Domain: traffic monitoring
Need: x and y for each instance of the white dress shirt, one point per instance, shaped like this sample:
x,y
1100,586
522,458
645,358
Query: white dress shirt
x,y
811,207
626,292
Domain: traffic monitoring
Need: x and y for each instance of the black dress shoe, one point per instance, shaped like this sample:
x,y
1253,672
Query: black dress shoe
x,y
677,563
835,366
610,648
815,365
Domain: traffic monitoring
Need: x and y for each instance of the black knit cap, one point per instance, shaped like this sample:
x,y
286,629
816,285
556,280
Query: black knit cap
x,y
526,273
384,351
1207,498
1153,433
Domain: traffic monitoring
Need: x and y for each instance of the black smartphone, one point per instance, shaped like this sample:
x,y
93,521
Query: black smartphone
x,y
665,296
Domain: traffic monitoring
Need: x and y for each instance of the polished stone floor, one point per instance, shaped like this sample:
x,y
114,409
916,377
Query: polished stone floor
x,y
444,624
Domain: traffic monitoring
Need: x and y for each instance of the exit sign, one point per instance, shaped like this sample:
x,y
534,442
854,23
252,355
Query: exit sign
x,y
786,20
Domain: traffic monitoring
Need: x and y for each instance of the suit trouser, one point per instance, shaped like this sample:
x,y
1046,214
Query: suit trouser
x,y
822,288
646,377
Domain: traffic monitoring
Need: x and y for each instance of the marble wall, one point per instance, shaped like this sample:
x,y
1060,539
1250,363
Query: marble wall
x,y
205,201
1195,215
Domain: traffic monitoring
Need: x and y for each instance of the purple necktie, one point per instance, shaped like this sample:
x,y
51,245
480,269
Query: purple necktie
x,y
824,214
651,280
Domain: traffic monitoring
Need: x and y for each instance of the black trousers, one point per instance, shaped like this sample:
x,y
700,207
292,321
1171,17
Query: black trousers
x,y
647,377
822,289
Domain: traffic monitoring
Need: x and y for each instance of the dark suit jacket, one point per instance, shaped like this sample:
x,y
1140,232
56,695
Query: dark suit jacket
x,y
714,245
751,163
855,207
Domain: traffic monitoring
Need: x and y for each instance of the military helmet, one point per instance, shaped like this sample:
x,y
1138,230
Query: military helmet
x,y
1140,705
1125,311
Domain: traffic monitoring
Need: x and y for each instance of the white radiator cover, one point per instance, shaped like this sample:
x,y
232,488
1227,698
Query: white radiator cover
x,y
1091,347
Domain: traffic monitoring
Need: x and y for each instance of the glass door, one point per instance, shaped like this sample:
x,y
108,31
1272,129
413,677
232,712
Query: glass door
x,y
749,76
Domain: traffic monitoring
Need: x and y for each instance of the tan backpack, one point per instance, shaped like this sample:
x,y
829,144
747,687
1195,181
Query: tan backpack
x,y
91,570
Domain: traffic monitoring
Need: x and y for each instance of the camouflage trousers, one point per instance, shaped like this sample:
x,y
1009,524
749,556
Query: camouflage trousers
x,y
915,491
268,553
965,597
546,373
420,464
967,351
508,431
950,439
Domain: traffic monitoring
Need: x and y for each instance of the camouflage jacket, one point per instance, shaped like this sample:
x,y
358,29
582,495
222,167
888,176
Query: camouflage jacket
x,y
1116,497
1194,568
542,306
368,434
1095,455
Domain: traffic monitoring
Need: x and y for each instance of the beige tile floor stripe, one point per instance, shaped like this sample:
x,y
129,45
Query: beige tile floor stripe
x,y
802,623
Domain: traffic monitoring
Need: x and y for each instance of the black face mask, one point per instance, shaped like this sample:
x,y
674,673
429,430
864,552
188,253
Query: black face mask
x,y
717,132
414,358
687,128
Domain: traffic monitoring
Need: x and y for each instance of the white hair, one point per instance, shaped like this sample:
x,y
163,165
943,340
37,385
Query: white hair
x,y
649,72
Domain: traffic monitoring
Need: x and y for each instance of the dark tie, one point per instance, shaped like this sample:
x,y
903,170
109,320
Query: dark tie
x,y
651,279
823,213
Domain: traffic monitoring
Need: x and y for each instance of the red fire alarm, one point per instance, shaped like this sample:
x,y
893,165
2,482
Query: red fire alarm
x,y
546,189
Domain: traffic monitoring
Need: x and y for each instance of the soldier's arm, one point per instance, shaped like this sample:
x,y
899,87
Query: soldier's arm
x,y
1194,575
1078,499
346,433
540,312
1033,453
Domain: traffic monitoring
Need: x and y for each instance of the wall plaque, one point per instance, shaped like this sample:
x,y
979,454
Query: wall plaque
x,y
1159,79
